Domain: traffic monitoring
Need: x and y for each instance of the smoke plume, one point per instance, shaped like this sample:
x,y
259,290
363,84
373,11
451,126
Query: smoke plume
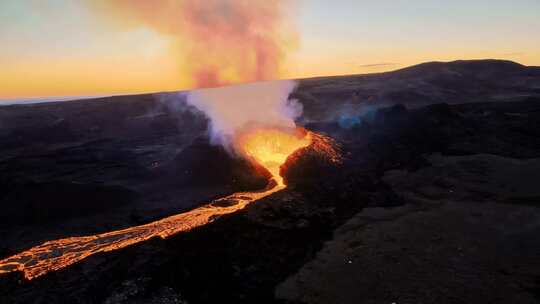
x,y
233,109
217,42
223,42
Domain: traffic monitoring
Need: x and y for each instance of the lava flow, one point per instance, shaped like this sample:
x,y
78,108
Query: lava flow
x,y
270,147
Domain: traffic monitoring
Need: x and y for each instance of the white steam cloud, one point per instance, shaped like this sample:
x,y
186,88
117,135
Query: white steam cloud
x,y
235,108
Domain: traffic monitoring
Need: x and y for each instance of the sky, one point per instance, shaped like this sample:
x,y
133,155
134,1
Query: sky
x,y
100,47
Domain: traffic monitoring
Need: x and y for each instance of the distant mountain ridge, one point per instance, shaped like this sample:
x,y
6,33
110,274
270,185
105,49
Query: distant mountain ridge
x,y
34,100
449,75
329,98
461,81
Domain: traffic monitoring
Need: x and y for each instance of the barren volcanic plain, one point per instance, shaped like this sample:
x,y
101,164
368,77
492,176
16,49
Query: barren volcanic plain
x,y
435,198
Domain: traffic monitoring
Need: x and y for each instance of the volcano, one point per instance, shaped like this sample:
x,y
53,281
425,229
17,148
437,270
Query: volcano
x,y
418,185
268,149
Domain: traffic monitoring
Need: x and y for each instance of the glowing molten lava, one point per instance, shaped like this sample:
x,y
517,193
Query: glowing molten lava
x,y
270,147
57,254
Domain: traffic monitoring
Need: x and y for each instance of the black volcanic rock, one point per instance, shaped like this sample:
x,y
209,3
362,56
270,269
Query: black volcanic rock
x,y
394,115
204,164
464,81
307,167
39,203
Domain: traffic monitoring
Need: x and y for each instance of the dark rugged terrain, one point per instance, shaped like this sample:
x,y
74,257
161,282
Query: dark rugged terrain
x,y
437,198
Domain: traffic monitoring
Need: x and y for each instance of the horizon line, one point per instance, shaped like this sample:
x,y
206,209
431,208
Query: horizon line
x,y
46,99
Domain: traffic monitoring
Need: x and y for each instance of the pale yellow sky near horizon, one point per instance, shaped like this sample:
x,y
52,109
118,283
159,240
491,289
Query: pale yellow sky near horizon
x,y
62,48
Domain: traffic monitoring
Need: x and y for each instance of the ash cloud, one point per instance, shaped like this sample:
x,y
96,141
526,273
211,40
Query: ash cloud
x,y
216,42
222,42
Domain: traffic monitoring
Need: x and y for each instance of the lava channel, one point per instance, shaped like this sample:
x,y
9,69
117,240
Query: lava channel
x,y
269,147
57,254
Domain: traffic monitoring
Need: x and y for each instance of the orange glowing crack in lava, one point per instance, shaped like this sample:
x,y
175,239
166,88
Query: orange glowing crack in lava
x,y
270,147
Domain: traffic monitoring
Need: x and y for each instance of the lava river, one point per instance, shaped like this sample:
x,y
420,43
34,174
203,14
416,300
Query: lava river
x,y
268,147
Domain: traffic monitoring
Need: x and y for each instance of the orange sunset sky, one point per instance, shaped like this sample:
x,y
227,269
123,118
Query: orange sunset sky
x,y
100,47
